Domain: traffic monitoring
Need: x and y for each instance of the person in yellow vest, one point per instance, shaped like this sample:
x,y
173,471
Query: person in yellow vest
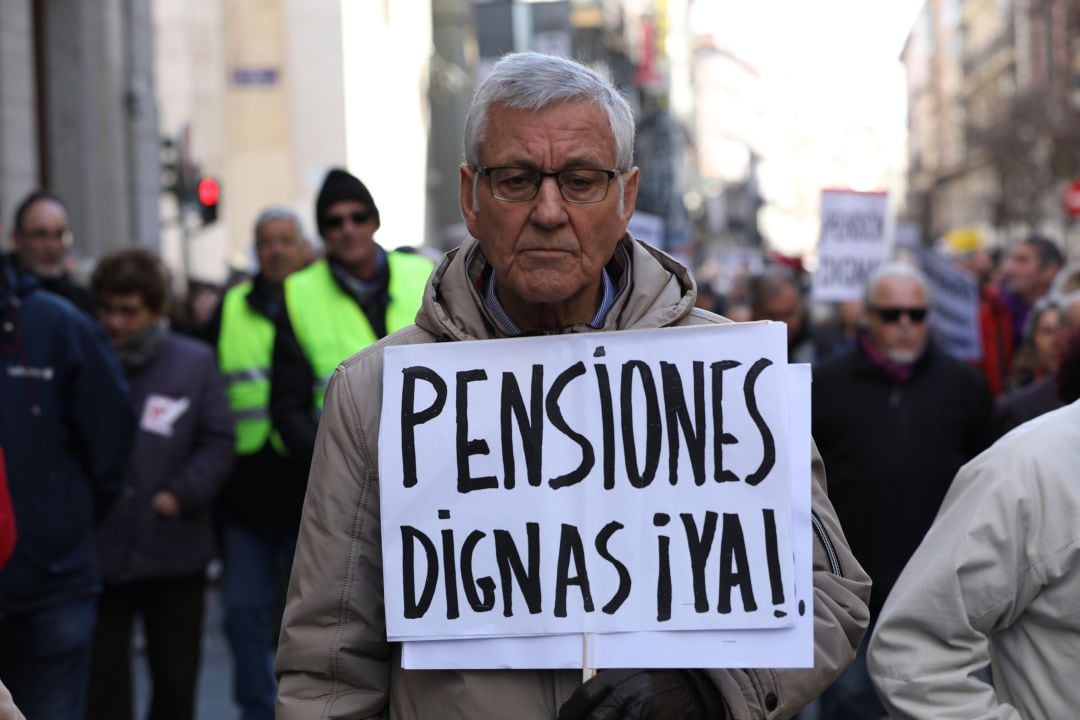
x,y
260,503
338,306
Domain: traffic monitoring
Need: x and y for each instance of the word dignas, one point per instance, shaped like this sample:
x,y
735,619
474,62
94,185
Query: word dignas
x,y
634,409
442,558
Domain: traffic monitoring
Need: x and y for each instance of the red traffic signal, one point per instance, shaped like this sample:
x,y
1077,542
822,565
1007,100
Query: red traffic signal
x,y
209,192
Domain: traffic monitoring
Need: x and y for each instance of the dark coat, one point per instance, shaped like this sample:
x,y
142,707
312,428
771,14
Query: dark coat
x,y
63,285
891,451
66,427
1025,403
135,541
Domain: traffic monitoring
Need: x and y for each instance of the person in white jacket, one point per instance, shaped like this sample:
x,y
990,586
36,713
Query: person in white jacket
x,y
995,581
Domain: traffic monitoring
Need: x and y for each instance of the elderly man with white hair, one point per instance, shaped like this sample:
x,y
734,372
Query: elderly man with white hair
x,y
547,191
894,419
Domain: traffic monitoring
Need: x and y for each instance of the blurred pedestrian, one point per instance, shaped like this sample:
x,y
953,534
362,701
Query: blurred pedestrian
x,y
994,582
337,306
66,428
776,294
1040,395
260,503
41,239
894,418
1027,274
1037,355
995,324
157,539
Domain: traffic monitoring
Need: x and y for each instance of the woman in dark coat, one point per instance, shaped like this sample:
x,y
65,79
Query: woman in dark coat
x,y
157,539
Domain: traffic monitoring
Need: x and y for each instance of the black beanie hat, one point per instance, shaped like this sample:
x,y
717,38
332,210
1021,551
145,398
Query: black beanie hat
x,y
340,185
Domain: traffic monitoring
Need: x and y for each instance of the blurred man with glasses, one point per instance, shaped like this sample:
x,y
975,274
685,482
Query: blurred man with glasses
x,y
337,306
894,418
40,240
547,190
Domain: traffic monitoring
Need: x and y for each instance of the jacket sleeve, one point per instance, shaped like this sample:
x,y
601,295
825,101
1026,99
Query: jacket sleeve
x,y
103,424
333,657
291,395
971,575
841,615
211,458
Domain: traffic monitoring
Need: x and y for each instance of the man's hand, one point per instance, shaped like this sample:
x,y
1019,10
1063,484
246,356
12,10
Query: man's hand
x,y
165,503
645,695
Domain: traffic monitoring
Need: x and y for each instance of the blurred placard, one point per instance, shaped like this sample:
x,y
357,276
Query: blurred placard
x,y
852,243
954,306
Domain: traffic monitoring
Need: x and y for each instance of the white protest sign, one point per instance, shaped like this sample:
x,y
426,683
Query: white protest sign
x,y
601,482
954,306
852,243
783,647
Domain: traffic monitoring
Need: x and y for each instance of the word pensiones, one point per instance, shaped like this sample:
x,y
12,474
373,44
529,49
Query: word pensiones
x,y
661,398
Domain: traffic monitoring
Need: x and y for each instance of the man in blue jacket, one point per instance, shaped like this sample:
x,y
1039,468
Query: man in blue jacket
x,y
66,429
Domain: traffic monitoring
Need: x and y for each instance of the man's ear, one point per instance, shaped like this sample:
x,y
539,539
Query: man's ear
x,y
629,191
467,176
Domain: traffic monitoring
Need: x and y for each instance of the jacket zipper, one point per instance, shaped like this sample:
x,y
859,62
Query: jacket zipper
x,y
826,542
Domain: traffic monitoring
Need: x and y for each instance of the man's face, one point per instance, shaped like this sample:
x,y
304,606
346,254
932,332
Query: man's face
x,y
123,315
1023,275
897,335
785,306
349,232
1047,339
41,244
280,249
548,253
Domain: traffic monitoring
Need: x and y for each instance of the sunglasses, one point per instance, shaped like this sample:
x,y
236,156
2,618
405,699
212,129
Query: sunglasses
x,y
893,315
359,217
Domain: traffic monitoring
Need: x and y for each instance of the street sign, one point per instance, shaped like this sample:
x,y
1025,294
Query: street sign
x,y
1070,199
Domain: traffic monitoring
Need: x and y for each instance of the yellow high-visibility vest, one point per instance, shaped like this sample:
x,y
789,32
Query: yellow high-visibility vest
x,y
330,326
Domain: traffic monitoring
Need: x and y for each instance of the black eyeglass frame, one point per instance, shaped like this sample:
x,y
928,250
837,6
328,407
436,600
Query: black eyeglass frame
x,y
486,171
891,315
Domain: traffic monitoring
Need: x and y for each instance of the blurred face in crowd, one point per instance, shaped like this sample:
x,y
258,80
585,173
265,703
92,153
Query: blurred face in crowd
x,y
280,248
1024,276
124,315
41,244
547,252
349,232
850,313
784,305
896,318
1046,339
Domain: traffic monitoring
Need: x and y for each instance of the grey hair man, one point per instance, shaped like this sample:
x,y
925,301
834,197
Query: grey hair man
x,y
40,238
547,191
259,504
895,418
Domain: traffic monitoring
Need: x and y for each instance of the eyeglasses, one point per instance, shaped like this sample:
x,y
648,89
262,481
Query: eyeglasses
x,y
62,235
333,222
516,184
893,315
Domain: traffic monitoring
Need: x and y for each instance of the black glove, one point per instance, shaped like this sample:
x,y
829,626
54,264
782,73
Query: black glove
x,y
645,695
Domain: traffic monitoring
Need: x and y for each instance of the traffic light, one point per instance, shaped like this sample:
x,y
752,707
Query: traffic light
x,y
175,170
209,194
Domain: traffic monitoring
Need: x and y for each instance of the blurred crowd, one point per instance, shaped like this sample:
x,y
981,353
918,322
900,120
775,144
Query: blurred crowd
x,y
161,432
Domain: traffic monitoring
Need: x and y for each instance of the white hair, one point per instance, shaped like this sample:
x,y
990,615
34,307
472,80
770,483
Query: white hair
x,y
894,269
532,81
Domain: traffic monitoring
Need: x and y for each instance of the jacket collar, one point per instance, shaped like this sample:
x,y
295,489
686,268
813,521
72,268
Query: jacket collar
x,y
653,290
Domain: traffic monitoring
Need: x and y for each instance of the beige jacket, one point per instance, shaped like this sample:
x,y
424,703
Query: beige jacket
x,y
8,711
334,660
996,580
